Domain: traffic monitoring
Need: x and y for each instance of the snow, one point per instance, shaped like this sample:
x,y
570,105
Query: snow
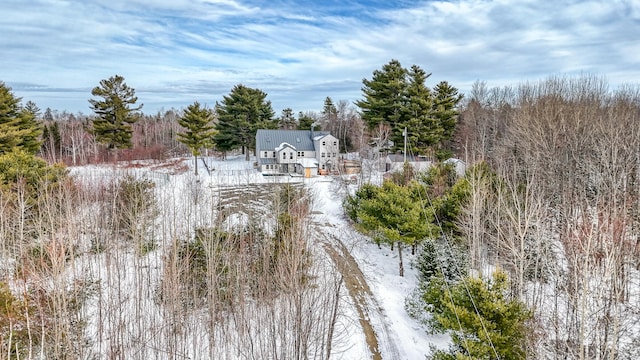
x,y
308,162
285,145
380,267
399,336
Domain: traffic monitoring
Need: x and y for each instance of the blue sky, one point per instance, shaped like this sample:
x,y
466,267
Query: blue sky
x,y
175,52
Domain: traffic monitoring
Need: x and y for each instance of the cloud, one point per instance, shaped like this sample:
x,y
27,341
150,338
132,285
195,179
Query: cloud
x,y
299,52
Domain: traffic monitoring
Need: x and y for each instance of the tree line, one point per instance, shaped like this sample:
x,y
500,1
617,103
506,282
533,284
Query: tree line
x,y
117,126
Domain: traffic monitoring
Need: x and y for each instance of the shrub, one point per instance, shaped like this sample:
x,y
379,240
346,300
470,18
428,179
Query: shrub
x,y
14,332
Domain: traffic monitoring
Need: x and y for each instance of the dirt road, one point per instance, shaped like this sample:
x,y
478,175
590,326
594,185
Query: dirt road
x,y
378,340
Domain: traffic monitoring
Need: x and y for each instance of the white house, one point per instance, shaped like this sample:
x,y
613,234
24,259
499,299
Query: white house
x,y
304,152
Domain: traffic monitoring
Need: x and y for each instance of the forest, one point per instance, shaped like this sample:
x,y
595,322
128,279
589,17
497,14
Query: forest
x,y
111,247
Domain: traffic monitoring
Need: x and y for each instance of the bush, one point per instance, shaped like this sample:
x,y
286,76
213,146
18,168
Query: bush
x,y
21,169
14,331
135,209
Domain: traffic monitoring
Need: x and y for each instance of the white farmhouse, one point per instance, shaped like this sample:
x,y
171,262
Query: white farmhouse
x,y
303,152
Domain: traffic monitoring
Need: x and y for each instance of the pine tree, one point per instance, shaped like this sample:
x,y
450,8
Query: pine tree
x,y
385,96
287,121
115,113
305,121
393,215
18,127
48,115
422,127
398,98
484,323
445,105
240,115
32,108
31,171
329,114
200,130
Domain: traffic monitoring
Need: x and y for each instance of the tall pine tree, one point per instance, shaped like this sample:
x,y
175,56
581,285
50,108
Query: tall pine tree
x,y
287,121
422,128
199,130
240,115
385,98
18,126
445,105
116,113
398,98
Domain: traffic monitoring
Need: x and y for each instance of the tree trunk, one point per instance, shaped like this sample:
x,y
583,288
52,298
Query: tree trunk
x,y
195,157
400,258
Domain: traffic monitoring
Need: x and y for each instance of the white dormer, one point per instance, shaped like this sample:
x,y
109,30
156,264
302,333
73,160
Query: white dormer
x,y
286,154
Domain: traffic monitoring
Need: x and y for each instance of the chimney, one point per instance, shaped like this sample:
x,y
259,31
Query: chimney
x,y
313,125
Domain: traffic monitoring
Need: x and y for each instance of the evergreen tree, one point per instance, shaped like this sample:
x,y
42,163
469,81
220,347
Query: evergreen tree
x,y
398,98
200,130
287,121
116,113
51,140
441,258
445,105
55,134
385,97
48,115
31,172
484,323
329,114
423,130
18,127
240,115
32,108
305,121
393,215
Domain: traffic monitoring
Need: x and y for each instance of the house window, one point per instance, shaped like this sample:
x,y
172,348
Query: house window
x,y
274,154
335,143
266,154
322,154
291,155
334,154
324,143
284,155
302,152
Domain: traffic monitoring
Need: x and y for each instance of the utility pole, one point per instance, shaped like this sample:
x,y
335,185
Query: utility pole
x,y
404,133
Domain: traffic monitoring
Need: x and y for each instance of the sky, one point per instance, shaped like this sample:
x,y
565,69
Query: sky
x,y
176,52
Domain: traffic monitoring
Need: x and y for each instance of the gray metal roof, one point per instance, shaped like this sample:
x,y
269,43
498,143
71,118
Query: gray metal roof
x,y
268,140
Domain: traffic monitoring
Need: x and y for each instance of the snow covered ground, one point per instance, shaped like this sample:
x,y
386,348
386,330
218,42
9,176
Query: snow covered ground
x,y
398,336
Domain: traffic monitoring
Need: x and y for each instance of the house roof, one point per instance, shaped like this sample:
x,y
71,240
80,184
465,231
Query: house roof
x,y
269,140
265,161
285,145
399,158
308,162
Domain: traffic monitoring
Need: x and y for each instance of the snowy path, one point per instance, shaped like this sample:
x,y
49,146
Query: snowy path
x,y
363,299
328,221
